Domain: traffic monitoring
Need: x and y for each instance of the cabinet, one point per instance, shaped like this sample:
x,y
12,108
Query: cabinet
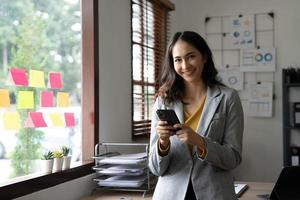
x,y
117,170
291,129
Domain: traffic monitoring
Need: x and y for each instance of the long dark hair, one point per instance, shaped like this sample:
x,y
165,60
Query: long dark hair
x,y
171,84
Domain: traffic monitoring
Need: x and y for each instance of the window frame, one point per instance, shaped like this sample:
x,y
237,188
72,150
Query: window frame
x,y
141,129
90,114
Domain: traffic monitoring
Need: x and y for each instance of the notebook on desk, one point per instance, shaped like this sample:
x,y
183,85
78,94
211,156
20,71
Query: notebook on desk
x,y
287,186
240,188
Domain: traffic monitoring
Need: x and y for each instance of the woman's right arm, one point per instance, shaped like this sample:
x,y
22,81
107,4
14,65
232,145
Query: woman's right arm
x,y
158,158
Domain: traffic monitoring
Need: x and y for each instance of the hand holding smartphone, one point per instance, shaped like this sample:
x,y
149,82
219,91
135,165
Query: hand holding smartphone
x,y
169,116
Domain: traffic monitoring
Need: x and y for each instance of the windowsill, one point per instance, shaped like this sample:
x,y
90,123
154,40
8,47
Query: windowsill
x,y
24,185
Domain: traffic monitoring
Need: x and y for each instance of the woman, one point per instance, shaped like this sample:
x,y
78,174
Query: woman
x,y
196,161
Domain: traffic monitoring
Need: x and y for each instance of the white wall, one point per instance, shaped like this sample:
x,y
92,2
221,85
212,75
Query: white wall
x,y
263,151
72,190
115,70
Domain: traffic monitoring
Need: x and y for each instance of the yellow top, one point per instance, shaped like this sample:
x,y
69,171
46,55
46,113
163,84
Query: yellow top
x,y
193,120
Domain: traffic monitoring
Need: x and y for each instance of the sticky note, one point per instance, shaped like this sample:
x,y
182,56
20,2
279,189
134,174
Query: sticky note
x,y
56,119
4,98
17,76
54,80
63,99
36,78
46,99
11,120
69,119
25,100
35,120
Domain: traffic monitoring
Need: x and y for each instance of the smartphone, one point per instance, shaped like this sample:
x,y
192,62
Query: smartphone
x,y
168,115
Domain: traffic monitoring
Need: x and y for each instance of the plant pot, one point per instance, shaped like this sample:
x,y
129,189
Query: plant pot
x,y
46,166
66,162
57,165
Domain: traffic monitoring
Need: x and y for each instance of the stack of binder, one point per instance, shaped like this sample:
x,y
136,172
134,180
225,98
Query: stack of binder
x,y
122,171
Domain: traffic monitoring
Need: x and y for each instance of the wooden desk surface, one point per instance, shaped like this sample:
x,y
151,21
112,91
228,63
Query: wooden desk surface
x,y
250,194
256,188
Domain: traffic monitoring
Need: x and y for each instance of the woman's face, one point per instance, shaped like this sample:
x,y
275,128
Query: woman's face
x,y
188,62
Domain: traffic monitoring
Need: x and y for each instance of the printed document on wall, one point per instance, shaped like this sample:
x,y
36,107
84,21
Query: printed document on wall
x,y
243,31
232,77
260,100
258,60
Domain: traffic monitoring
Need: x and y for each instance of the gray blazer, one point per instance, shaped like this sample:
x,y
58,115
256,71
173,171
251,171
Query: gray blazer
x,y
222,125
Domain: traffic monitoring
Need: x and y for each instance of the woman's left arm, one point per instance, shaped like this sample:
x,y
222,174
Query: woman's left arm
x,y
228,154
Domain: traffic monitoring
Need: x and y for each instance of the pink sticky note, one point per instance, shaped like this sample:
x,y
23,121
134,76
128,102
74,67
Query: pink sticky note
x,y
70,120
35,120
46,99
17,76
54,80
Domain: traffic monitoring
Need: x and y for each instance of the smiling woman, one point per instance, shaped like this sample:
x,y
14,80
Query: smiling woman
x,y
43,95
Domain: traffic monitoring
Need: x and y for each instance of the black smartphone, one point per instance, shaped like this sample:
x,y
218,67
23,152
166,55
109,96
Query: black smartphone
x,y
168,115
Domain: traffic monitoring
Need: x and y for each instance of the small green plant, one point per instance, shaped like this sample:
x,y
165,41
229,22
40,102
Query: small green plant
x,y
48,155
57,154
65,150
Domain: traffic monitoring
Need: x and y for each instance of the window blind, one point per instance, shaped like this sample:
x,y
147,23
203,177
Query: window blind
x,y
149,38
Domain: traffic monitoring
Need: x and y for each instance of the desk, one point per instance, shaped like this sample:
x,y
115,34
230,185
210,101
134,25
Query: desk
x,y
250,194
256,188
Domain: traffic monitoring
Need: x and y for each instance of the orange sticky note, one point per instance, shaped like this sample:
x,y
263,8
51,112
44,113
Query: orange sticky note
x,y
25,100
56,119
54,80
17,76
69,119
11,120
46,99
4,98
35,120
36,78
63,99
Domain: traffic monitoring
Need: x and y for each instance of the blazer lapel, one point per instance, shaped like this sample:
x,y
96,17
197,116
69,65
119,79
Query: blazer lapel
x,y
213,98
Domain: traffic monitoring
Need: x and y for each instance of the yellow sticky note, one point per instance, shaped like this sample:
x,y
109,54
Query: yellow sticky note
x,y
11,120
4,98
25,100
56,119
36,79
63,99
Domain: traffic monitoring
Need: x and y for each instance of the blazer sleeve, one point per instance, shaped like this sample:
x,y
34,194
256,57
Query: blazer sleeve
x,y
157,164
228,154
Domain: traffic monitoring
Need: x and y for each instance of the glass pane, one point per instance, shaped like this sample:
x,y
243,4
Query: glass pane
x,y
149,92
137,103
136,62
149,65
136,23
149,26
40,80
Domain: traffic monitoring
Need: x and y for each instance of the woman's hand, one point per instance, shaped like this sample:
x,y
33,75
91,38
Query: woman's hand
x,y
164,132
189,136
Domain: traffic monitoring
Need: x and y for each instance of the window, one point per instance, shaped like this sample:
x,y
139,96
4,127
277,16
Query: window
x,y
149,37
43,38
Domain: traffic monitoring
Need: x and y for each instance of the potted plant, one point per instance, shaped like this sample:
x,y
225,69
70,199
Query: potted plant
x,y
58,160
66,157
47,162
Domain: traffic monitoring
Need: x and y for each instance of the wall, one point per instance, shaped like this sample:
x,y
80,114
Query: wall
x,y
262,152
115,70
72,190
